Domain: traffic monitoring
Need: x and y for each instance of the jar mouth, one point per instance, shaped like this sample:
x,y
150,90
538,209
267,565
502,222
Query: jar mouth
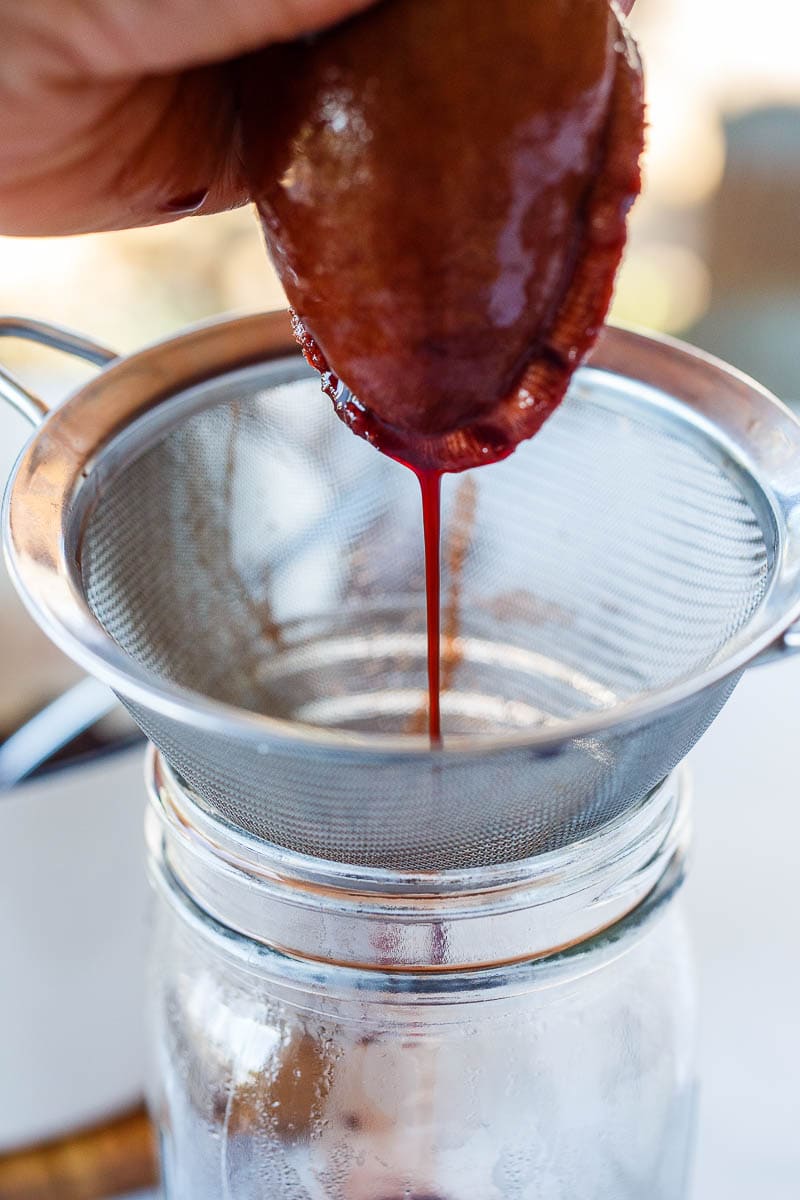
x,y
261,859
390,920
412,987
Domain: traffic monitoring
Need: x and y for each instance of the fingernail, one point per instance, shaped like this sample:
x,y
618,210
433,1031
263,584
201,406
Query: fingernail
x,y
188,203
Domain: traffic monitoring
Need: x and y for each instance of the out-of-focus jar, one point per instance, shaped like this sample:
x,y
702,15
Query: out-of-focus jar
x,y
325,1031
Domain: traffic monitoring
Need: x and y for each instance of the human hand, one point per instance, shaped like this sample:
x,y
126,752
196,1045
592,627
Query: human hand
x,y
117,113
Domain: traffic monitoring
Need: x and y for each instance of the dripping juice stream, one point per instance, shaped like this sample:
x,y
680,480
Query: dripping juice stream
x,y
430,483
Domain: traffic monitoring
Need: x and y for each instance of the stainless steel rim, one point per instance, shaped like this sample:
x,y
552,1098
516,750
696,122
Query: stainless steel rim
x,y
56,468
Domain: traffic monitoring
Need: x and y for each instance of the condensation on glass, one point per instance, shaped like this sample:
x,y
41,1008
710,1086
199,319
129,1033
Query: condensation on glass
x,y
322,1032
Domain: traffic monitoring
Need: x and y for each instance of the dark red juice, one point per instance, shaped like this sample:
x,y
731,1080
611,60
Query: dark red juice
x,y
430,483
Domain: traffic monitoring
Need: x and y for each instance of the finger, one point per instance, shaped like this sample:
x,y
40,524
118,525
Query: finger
x,y
131,162
107,121
115,39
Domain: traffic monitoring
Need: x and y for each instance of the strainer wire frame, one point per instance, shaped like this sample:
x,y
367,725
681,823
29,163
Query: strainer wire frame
x,y
78,445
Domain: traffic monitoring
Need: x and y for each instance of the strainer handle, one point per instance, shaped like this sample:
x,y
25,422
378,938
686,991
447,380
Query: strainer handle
x,y
787,644
791,638
44,334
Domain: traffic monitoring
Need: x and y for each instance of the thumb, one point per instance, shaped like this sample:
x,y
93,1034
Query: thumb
x,y
116,39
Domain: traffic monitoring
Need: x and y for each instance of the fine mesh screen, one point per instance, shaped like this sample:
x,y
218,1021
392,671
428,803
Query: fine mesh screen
x,y
260,554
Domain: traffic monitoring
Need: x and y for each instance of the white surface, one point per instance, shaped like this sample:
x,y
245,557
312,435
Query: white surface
x,y
72,901
72,931
745,912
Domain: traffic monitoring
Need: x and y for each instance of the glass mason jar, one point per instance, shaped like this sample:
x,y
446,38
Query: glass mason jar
x,y
515,1032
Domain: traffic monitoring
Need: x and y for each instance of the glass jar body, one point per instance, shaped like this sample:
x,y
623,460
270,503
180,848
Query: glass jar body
x,y
569,1077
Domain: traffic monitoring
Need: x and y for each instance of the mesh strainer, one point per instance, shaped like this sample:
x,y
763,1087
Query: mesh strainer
x,y
198,530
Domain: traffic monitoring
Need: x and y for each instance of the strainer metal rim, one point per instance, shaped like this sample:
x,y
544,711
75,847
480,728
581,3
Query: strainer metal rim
x,y
57,466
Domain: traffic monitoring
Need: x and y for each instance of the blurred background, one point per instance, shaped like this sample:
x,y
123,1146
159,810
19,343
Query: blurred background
x,y
713,258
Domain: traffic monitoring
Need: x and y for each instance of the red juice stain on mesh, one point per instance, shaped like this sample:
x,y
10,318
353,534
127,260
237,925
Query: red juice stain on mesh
x,y
443,188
